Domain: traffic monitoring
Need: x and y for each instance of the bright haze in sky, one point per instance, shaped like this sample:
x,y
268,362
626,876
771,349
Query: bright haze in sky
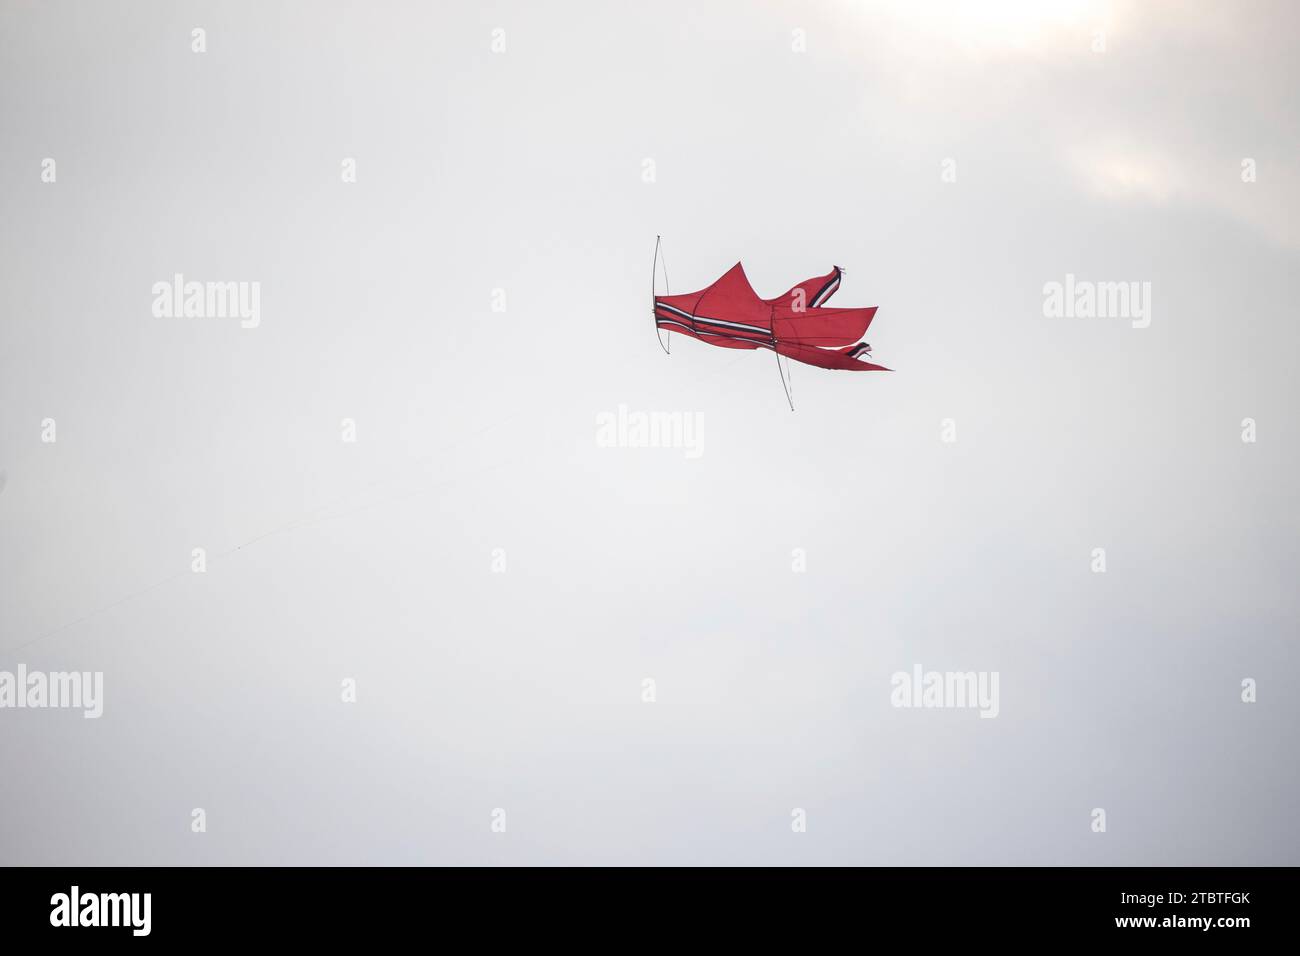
x,y
362,573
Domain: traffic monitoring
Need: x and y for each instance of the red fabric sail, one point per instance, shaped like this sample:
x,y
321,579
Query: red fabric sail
x,y
846,358
813,292
730,314
825,327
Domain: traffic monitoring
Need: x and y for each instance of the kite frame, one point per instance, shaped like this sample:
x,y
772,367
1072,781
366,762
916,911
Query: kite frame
x,y
654,317
654,296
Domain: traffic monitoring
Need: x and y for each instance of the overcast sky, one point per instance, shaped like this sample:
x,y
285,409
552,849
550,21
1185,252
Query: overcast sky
x,y
953,158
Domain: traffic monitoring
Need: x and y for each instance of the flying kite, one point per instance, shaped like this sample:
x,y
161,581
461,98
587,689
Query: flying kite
x,y
796,324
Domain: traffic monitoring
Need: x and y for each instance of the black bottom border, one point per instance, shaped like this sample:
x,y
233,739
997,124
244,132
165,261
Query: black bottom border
x,y
765,905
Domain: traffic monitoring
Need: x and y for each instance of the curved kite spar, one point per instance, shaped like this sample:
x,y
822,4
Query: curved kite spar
x,y
796,324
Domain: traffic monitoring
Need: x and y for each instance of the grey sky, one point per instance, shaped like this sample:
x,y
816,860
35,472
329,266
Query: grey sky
x,y
476,430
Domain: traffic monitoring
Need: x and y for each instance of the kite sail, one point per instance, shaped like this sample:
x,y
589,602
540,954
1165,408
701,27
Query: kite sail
x,y
796,324
811,292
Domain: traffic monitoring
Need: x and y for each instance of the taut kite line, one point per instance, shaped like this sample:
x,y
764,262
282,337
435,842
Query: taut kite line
x,y
796,324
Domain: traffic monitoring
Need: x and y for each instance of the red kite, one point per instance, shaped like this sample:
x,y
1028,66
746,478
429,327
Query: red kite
x,y
730,314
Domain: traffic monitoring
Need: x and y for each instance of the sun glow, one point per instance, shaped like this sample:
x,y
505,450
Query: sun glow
x,y
991,27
